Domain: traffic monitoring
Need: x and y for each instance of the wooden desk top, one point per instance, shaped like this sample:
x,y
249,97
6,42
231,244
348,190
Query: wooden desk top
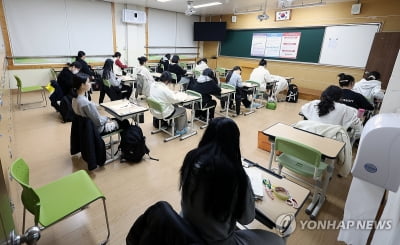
x,y
123,108
272,209
328,147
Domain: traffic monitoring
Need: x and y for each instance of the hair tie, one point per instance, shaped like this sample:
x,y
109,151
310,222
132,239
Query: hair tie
x,y
372,77
344,81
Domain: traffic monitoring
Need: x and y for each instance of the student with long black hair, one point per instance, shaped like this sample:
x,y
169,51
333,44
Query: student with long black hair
x,y
328,110
116,84
216,192
349,97
233,78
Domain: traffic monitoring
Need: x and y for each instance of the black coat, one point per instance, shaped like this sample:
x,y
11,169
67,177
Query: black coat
x,y
355,100
160,224
85,67
85,138
64,79
206,89
179,71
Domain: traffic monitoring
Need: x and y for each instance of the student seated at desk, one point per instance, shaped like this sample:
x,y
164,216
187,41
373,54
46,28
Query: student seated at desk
x,y
261,75
175,68
216,192
116,85
85,108
201,65
351,98
329,110
370,86
148,78
118,65
168,99
206,85
233,78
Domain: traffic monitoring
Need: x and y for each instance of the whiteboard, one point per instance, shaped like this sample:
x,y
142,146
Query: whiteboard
x,y
59,27
347,45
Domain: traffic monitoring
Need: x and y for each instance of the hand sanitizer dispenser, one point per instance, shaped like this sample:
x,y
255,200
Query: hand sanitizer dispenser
x,y
378,155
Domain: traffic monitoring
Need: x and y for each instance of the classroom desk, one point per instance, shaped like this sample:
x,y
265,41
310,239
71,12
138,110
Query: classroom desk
x,y
128,79
329,148
123,109
269,210
227,93
253,88
155,74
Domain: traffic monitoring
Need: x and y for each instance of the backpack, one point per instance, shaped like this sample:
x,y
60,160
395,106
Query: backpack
x,y
292,94
133,144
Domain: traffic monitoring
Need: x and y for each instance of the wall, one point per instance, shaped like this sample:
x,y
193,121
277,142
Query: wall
x,y
310,76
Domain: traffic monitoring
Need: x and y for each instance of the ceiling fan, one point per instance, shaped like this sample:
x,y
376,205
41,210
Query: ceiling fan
x,y
190,10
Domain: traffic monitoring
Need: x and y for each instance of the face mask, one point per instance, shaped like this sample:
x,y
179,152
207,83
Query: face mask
x,y
75,71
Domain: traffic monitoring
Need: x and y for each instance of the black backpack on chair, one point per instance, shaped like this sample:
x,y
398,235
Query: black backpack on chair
x,y
292,94
133,144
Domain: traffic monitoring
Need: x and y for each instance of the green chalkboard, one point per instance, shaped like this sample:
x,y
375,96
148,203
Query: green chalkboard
x,y
238,43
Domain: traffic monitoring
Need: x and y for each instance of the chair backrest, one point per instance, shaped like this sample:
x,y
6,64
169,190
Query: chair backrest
x,y
19,83
197,73
154,105
183,65
298,150
20,172
197,94
228,86
221,71
173,76
53,73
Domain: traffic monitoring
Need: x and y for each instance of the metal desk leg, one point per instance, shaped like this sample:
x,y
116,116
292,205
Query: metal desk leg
x,y
192,131
251,104
272,154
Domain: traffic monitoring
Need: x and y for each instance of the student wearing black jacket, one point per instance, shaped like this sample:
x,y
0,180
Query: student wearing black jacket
x,y
206,85
165,61
85,67
175,68
349,97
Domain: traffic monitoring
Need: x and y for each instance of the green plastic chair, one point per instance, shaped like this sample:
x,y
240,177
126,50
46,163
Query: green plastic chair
x,y
228,86
59,199
299,158
156,109
22,90
183,65
200,107
53,74
258,94
197,73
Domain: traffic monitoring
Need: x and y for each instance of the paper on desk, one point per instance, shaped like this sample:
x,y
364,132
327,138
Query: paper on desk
x,y
181,96
256,182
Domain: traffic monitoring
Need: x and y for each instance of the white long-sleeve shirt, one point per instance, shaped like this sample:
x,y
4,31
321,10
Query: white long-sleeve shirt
x,y
261,76
148,79
166,97
343,115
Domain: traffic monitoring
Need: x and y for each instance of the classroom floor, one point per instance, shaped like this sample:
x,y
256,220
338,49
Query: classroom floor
x,y
43,141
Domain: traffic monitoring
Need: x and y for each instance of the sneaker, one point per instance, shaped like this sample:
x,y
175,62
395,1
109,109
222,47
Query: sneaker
x,y
181,132
255,105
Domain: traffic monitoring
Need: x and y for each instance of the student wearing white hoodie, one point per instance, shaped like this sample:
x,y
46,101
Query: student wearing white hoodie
x,y
370,86
201,65
261,75
328,110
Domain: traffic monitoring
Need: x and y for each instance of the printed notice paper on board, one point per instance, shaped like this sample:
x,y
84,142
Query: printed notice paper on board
x,y
276,45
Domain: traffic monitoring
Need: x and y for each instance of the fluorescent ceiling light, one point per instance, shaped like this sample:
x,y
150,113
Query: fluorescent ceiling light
x,y
163,1
206,5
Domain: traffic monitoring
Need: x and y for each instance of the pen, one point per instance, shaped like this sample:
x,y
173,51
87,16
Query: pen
x,y
268,188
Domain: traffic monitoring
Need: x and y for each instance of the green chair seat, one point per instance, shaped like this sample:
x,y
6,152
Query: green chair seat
x,y
31,89
78,191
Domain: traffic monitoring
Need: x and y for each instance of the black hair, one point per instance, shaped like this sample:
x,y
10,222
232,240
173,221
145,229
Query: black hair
x,y
81,54
175,59
107,67
117,55
262,62
216,167
142,60
168,56
345,80
166,77
373,75
235,68
200,60
328,98
77,81
209,73
76,64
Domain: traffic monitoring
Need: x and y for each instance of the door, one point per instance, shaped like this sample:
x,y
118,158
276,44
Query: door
x,y
383,54
7,228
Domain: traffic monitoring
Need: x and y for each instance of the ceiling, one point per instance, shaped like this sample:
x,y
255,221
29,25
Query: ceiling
x,y
227,7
